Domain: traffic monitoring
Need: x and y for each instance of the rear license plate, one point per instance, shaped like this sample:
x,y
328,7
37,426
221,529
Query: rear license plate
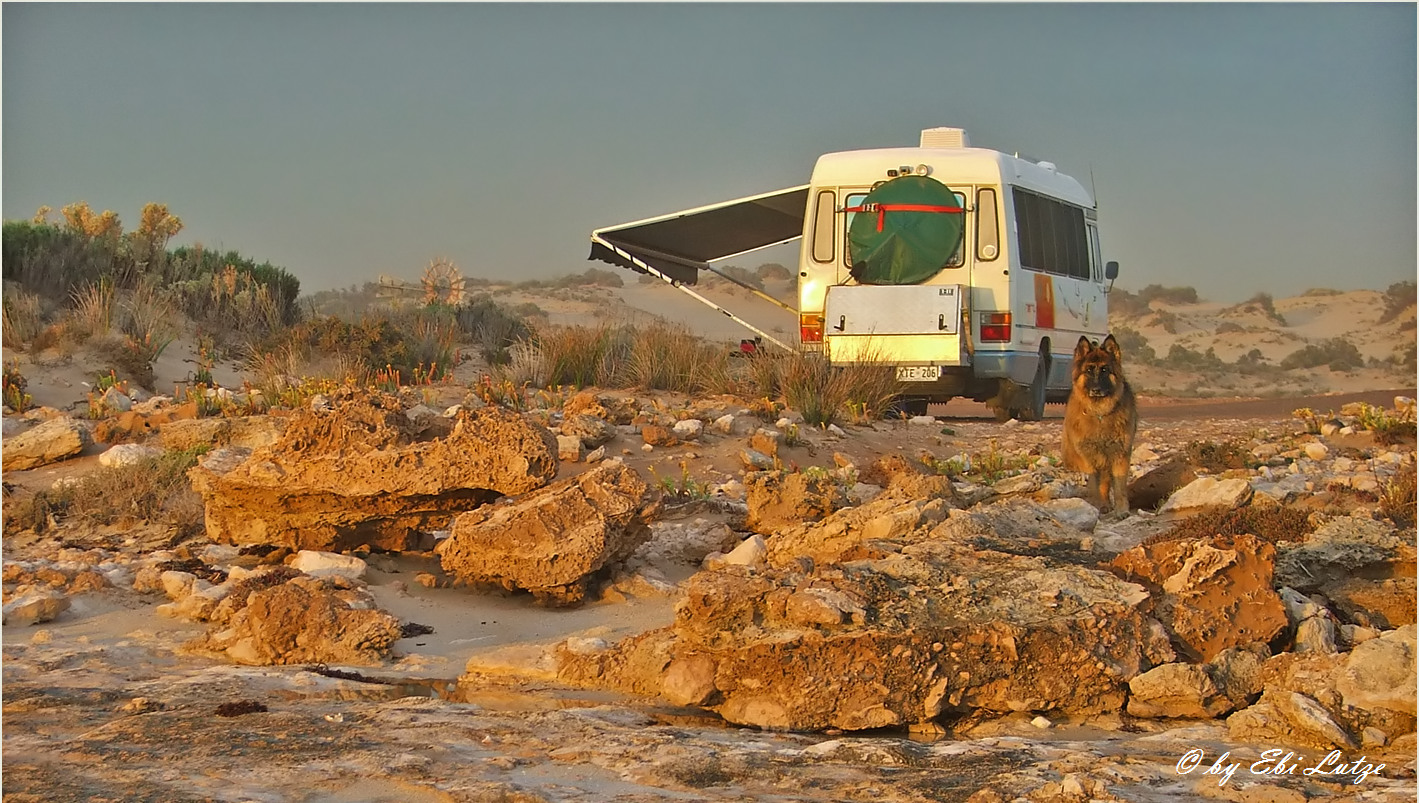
x,y
918,373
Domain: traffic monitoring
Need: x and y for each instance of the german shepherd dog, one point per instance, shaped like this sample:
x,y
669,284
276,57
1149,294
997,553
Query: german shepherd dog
x,y
1100,422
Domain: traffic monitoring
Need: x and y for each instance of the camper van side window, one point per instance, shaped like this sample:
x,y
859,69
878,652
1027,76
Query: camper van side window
x,y
987,226
823,227
1051,235
1094,263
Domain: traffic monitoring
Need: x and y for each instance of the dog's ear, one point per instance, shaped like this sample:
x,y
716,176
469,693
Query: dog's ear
x,y
1082,349
1111,346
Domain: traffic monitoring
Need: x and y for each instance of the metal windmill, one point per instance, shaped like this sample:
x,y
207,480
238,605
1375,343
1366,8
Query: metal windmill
x,y
441,283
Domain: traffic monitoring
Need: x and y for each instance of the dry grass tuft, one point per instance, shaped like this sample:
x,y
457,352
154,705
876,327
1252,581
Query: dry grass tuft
x,y
92,314
822,393
23,317
155,489
1397,499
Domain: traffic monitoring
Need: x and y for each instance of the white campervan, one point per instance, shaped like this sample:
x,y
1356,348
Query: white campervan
x,y
972,272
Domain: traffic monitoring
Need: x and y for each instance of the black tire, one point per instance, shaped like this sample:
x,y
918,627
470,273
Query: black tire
x,y
906,407
1038,391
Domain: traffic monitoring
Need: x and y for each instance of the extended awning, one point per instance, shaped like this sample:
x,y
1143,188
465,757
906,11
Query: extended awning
x,y
677,246
682,244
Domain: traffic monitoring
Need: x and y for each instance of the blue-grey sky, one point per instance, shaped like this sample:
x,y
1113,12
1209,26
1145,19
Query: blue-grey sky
x,y
1234,148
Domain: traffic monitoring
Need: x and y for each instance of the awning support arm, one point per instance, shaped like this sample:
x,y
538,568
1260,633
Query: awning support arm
x,y
751,288
682,288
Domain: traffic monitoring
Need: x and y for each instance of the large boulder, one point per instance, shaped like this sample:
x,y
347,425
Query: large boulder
x,y
935,629
1211,593
360,471
553,541
47,443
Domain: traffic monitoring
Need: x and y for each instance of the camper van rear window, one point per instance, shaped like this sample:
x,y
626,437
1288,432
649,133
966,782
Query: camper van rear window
x,y
1052,238
823,221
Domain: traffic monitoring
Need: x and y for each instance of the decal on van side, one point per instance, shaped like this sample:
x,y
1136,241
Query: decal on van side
x,y
1044,301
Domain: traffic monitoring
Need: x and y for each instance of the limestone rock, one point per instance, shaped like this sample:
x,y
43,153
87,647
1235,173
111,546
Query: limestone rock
x,y
1288,717
47,443
1176,690
1076,513
363,473
933,628
251,432
328,564
551,541
127,454
778,500
750,552
1386,603
301,623
766,441
1380,673
851,533
592,431
755,460
1362,565
657,435
34,607
1237,673
1208,492
1211,593
1155,485
568,448
689,429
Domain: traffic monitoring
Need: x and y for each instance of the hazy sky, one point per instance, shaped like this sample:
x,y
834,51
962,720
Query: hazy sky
x,y
1235,148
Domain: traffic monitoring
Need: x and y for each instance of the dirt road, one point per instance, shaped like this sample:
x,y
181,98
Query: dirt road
x,y
1157,409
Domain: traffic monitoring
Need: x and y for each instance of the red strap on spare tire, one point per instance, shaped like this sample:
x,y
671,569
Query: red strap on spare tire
x,y
883,209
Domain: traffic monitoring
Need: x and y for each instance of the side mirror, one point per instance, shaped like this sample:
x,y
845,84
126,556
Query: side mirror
x,y
1110,273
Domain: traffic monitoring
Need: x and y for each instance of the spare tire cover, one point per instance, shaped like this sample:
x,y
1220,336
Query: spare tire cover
x,y
905,231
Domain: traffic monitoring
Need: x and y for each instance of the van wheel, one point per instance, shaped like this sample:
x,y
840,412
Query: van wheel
x,y
1037,391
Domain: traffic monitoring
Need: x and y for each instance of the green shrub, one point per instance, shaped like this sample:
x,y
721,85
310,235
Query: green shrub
x,y
1399,297
492,326
52,261
1134,345
1337,353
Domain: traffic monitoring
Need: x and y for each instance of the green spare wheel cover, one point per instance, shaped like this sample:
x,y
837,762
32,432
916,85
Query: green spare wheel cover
x,y
907,230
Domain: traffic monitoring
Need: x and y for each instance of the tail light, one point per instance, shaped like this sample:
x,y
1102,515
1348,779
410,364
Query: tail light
x,y
810,328
995,327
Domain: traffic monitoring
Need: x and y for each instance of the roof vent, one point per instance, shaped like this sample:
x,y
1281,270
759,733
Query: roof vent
x,y
944,138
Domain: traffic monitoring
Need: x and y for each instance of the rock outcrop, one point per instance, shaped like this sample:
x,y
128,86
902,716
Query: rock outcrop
x,y
360,471
552,541
931,629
